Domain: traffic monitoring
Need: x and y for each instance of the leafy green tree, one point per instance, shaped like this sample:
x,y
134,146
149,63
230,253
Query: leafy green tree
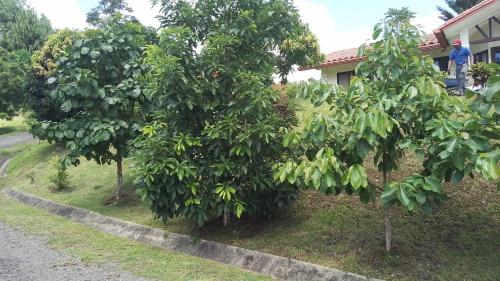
x,y
13,67
21,32
97,81
395,105
215,131
107,9
21,27
456,6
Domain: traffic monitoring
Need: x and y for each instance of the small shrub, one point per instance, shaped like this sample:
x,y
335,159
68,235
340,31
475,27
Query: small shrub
x,y
60,180
480,72
31,177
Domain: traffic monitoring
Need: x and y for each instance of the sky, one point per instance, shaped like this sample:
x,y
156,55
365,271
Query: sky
x,y
338,24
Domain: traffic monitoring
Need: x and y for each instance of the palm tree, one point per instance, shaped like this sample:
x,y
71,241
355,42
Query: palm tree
x,y
458,6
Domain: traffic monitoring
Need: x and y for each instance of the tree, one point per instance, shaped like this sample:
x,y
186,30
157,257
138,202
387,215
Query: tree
x,y
21,32
97,79
21,27
13,67
106,9
208,149
457,7
44,66
394,106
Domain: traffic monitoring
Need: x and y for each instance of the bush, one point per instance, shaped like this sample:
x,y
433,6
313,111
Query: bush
x,y
60,180
217,126
481,71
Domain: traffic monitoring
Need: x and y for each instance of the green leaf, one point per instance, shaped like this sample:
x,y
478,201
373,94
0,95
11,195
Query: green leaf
x,y
66,106
403,197
94,54
85,50
457,177
358,176
59,135
69,134
421,197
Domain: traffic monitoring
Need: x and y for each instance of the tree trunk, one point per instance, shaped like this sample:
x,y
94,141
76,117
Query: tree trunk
x,y
388,232
119,178
387,222
225,218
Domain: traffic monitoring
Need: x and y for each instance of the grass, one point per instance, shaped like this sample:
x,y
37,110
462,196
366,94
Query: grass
x,y
460,241
17,124
93,246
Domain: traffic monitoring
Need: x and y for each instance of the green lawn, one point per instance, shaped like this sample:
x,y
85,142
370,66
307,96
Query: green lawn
x,y
459,242
17,124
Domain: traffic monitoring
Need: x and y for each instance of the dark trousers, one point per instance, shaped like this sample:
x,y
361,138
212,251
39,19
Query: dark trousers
x,y
461,73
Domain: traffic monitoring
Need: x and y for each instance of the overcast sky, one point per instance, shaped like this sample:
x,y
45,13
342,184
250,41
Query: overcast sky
x,y
338,24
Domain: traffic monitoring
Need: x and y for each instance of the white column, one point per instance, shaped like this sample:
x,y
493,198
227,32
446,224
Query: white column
x,y
464,37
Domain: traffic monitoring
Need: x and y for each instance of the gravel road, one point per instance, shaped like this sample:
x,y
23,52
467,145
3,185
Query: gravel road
x,y
26,258
6,141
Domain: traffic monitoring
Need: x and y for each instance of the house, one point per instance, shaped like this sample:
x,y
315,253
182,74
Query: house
x,y
478,28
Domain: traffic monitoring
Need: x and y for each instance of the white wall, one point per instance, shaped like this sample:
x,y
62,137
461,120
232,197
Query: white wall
x,y
330,73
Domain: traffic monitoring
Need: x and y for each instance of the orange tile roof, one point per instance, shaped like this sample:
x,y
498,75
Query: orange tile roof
x,y
351,55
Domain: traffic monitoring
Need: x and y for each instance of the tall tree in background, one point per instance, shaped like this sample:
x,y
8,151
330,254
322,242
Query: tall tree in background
x,y
457,6
21,27
21,32
107,9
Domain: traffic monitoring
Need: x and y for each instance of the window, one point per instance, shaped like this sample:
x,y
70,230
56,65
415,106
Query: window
x,y
481,57
344,78
495,55
442,63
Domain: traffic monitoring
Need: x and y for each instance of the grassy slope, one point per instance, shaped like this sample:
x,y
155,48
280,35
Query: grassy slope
x,y
459,242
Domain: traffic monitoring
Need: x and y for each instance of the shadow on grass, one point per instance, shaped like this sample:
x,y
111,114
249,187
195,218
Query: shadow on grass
x,y
7,129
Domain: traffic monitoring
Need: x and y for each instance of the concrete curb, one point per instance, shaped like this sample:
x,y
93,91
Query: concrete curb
x,y
3,167
276,266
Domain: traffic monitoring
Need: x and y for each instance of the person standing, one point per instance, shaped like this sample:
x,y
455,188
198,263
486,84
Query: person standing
x,y
462,57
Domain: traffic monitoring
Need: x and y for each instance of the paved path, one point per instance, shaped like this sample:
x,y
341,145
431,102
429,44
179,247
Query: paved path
x,y
10,140
26,258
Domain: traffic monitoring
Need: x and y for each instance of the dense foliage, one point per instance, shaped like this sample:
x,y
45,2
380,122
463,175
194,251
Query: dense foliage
x,y
43,66
21,32
215,132
107,9
480,72
395,105
97,82
21,28
13,66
